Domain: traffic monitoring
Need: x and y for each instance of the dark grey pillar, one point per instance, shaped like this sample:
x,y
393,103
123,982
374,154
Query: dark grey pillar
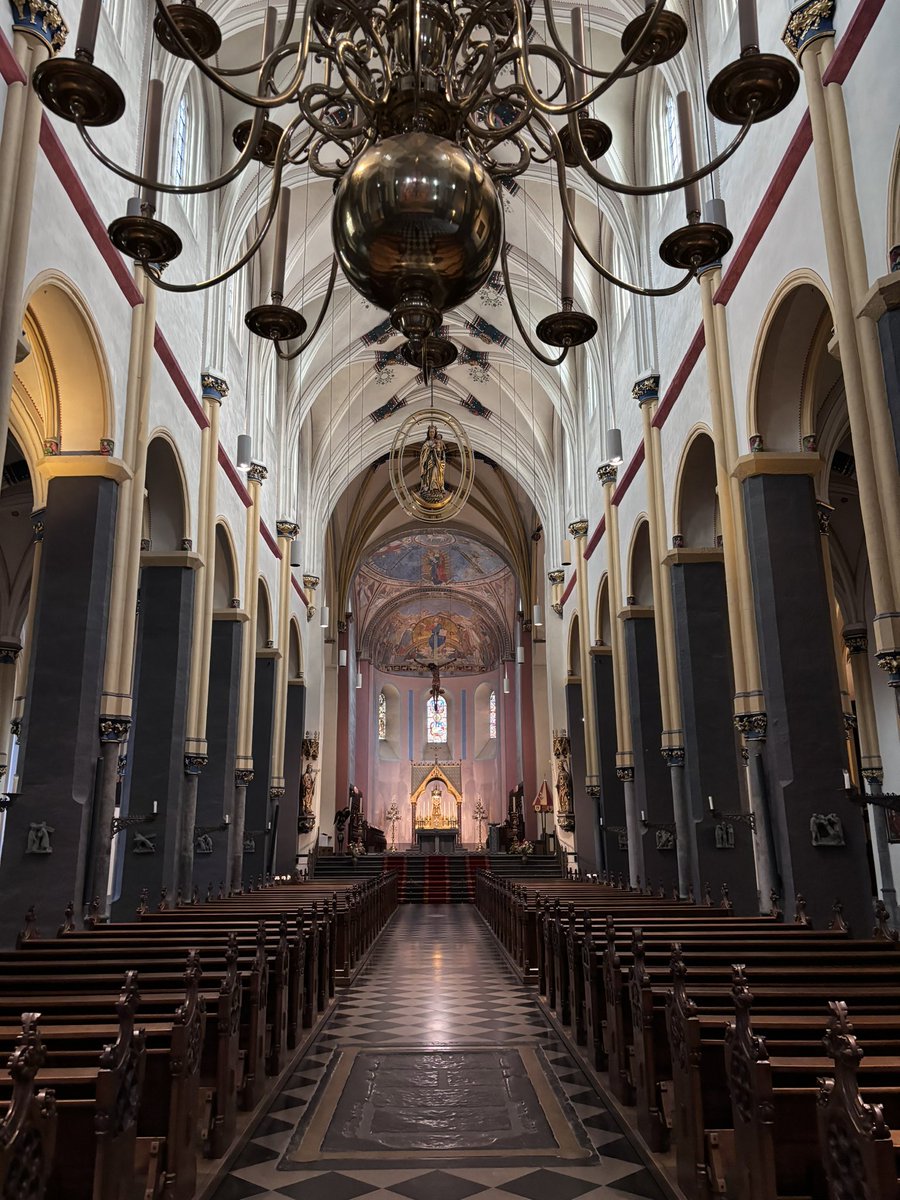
x,y
711,750
583,805
156,748
215,790
889,336
289,805
59,741
613,840
652,785
258,812
806,746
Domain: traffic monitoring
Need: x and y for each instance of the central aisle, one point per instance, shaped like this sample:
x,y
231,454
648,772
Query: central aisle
x,y
438,1078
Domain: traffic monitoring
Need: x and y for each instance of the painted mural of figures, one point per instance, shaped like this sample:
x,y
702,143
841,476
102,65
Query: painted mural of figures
x,y
432,463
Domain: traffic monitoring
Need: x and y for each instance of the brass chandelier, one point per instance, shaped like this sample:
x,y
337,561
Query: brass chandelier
x,y
416,109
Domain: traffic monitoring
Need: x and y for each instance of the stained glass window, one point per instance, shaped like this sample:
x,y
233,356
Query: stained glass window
x,y
382,717
437,720
492,715
673,150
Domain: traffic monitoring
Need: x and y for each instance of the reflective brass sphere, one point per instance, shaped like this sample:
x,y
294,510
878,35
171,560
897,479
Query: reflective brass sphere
x,y
417,228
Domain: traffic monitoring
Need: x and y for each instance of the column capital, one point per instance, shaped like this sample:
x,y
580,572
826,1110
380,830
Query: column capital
x,y
889,661
310,582
579,528
257,473
646,389
9,653
752,726
114,729
556,577
809,21
856,639
287,529
42,19
194,763
214,387
243,777
607,473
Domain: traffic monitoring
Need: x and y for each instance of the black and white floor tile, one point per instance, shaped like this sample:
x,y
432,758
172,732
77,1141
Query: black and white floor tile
x,y
435,981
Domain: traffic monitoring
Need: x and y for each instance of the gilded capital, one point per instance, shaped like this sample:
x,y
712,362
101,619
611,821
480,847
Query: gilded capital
x,y
310,582
607,473
214,387
752,726
556,576
808,21
257,473
42,19
243,777
287,529
646,390
9,653
579,528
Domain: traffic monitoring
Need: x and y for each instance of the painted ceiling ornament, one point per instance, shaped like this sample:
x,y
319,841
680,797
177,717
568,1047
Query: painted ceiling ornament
x,y
429,495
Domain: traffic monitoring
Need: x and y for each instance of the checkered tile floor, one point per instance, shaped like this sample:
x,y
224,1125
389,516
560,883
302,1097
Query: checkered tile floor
x,y
436,980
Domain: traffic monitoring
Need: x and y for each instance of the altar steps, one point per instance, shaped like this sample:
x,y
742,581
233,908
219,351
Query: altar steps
x,y
436,878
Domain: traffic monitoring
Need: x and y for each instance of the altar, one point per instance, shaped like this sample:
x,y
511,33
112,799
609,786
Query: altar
x,y
436,825
436,841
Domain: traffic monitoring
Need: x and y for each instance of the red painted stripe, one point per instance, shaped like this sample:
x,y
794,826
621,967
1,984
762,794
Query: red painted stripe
x,y
628,475
595,537
169,361
774,194
680,378
9,64
266,533
68,177
568,592
236,482
299,590
852,41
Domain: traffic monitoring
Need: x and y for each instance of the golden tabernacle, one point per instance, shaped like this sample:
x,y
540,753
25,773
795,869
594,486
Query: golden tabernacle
x,y
435,816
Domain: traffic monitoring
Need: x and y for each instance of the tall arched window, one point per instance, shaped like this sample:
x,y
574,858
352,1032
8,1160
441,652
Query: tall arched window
x,y
672,148
382,717
492,715
436,721
180,132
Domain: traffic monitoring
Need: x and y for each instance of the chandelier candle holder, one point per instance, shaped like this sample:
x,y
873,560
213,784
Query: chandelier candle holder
x,y
415,109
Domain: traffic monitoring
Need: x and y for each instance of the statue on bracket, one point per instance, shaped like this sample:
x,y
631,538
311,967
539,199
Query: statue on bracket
x,y
143,843
39,838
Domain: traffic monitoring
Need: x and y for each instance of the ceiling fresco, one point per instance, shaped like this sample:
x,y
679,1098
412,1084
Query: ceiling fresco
x,y
434,596
435,557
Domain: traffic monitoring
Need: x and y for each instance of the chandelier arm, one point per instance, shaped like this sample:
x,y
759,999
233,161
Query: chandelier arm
x,y
498,135
331,170
154,272
185,189
257,101
550,17
520,325
653,189
509,169
329,291
635,289
280,42
523,53
345,46
309,110
483,73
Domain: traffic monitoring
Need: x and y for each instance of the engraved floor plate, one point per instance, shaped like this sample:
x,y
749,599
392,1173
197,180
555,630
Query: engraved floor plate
x,y
452,1104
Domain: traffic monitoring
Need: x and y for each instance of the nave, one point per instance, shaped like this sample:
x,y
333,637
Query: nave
x,y
436,1026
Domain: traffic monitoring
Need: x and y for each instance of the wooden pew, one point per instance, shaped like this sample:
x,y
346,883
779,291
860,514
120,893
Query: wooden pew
x,y
29,1121
774,1108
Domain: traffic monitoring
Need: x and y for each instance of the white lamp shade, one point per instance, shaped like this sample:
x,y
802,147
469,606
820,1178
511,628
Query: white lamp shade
x,y
537,615
342,658
566,553
614,446
323,616
520,654
359,679
244,451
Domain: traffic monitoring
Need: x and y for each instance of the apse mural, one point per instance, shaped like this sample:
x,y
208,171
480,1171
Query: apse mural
x,y
460,639
435,558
